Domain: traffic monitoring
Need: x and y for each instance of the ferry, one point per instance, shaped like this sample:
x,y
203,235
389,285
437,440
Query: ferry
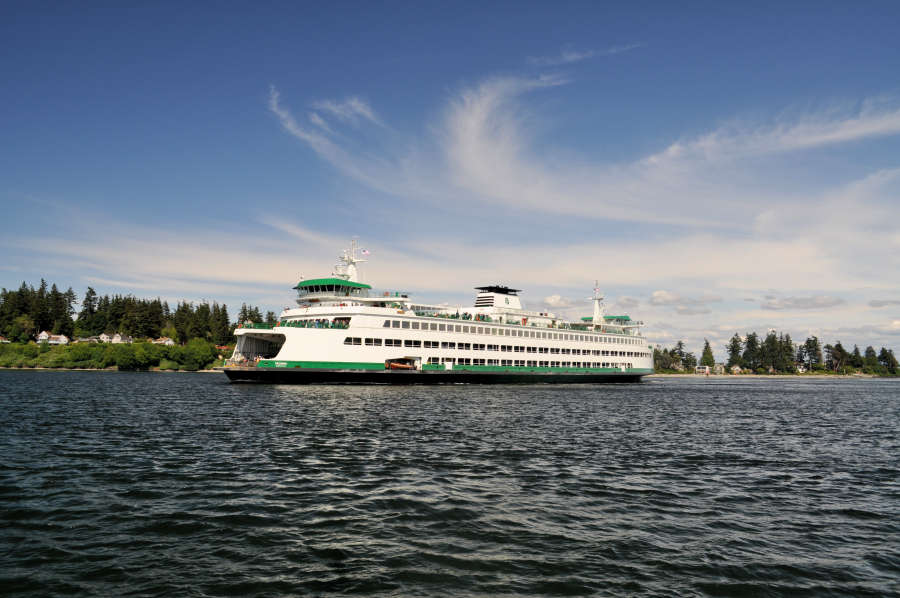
x,y
342,331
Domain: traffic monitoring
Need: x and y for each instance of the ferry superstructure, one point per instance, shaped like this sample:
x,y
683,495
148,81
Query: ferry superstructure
x,y
343,332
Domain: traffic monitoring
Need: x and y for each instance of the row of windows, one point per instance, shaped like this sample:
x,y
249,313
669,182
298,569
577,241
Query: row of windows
x,y
525,363
525,332
416,344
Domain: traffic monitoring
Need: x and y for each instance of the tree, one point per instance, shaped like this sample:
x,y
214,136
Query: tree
x,y
735,348
707,357
856,358
870,360
814,353
751,351
888,361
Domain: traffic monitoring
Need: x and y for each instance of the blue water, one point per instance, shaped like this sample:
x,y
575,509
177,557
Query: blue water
x,y
153,484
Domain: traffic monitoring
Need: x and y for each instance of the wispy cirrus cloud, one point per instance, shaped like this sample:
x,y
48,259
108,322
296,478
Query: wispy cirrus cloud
x,y
569,55
351,109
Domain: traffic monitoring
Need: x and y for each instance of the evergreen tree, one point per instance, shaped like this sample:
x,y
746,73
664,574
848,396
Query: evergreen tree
x,y
735,349
856,358
751,351
813,353
707,357
870,360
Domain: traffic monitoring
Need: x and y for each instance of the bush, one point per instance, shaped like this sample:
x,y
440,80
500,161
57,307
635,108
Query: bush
x,y
168,364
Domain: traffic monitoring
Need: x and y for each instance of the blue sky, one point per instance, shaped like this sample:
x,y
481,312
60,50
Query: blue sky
x,y
717,168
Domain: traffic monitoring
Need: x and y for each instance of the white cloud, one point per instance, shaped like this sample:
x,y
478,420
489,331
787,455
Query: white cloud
x,y
569,55
557,302
350,109
812,302
883,302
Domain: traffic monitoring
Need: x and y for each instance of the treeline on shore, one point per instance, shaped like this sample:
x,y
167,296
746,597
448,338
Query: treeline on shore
x,y
196,354
27,311
776,353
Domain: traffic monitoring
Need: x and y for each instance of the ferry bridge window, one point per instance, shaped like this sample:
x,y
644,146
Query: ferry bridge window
x,y
554,350
352,340
464,346
405,324
415,325
519,349
396,323
532,349
505,348
446,345
493,347
434,360
373,342
477,362
532,364
412,343
493,362
442,327
519,363
387,323
465,329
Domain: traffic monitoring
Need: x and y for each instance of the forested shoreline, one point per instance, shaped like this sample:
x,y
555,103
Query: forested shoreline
x,y
200,332
776,353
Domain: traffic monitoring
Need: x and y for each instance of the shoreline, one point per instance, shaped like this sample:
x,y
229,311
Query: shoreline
x,y
112,369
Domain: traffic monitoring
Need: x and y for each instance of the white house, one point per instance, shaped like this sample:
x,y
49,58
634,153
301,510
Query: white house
x,y
164,340
52,339
105,338
119,339
3,339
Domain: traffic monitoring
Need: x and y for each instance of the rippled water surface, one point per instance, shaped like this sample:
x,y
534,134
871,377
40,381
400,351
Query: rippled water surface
x,y
184,485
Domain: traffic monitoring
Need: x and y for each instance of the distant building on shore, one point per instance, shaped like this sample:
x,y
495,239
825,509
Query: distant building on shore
x,y
52,339
120,339
163,340
3,339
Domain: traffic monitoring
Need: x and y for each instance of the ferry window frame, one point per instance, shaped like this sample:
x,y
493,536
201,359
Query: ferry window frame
x,y
405,324
415,325
395,323
387,324
373,342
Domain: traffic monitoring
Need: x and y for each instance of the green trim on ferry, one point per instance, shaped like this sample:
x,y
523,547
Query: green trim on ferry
x,y
433,366
549,370
623,318
335,281
321,365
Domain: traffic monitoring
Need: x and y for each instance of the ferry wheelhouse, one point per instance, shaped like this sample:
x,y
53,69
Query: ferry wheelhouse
x,y
342,331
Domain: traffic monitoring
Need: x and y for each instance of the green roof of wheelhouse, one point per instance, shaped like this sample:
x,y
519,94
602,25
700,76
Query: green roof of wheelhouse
x,y
331,281
625,318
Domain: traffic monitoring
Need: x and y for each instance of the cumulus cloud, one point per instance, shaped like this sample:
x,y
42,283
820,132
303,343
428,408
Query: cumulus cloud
x,y
625,302
813,302
557,302
669,298
684,310
883,302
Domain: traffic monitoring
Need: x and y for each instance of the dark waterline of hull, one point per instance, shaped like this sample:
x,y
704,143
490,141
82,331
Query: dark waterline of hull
x,y
405,378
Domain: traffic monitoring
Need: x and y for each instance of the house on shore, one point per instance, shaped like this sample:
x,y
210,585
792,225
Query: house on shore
x,y
105,338
52,339
3,339
163,340
121,339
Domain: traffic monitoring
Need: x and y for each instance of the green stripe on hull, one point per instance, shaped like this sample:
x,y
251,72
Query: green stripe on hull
x,y
321,365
